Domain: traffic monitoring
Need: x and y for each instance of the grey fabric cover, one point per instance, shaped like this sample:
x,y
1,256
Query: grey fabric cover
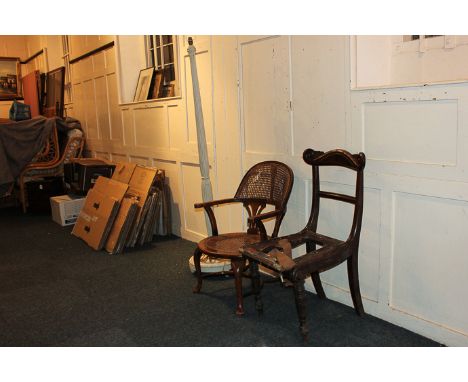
x,y
21,141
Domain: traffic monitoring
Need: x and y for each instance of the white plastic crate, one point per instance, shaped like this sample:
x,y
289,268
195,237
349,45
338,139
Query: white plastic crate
x,y
65,209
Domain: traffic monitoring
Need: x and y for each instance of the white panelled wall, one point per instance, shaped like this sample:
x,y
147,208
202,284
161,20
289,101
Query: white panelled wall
x,y
271,97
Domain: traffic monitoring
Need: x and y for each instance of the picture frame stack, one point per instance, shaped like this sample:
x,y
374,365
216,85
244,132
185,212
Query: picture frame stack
x,y
151,85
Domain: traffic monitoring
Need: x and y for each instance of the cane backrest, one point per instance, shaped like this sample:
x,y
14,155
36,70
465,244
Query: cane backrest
x,y
268,182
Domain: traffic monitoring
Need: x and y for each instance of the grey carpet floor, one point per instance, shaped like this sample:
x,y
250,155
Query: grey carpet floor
x,y
56,291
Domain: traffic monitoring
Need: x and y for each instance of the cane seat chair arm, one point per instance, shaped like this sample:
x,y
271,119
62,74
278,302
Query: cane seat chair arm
x,y
266,215
256,222
218,202
209,211
215,203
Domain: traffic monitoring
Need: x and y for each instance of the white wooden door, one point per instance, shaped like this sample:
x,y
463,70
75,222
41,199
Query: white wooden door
x,y
265,99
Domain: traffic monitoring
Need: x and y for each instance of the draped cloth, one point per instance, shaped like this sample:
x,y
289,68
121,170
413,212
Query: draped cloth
x,y
21,141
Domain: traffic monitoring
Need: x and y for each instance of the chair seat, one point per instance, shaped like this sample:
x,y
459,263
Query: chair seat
x,y
227,245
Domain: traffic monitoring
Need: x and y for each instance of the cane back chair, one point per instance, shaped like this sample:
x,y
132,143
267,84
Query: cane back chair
x,y
266,183
276,254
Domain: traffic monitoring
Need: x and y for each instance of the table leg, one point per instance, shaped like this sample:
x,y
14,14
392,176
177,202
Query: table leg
x,y
237,268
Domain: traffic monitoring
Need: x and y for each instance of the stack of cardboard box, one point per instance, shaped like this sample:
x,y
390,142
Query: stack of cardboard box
x,y
123,211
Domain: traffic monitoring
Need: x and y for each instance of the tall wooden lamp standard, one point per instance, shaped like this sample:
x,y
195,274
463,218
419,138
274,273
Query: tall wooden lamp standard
x,y
208,264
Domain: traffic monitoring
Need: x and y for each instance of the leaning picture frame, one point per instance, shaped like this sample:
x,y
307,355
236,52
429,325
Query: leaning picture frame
x,y
143,84
155,91
10,78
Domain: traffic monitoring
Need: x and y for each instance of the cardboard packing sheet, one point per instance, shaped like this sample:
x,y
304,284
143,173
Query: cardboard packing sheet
x,y
122,224
123,172
139,186
96,218
111,187
99,212
121,211
129,218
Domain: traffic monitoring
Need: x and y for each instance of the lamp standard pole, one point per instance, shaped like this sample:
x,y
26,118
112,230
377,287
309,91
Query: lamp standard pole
x,y
207,192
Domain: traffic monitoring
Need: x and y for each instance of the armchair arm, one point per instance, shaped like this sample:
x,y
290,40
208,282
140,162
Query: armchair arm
x,y
214,203
266,215
41,165
209,211
256,220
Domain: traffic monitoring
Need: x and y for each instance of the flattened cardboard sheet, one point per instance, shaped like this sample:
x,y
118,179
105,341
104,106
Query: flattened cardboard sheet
x,y
125,230
123,210
123,171
96,218
110,187
122,224
140,186
142,179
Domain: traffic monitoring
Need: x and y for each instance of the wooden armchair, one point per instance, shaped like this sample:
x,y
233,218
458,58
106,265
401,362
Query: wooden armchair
x,y
265,183
276,254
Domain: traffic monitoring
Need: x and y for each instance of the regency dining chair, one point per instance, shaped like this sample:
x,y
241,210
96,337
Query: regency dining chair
x,y
276,254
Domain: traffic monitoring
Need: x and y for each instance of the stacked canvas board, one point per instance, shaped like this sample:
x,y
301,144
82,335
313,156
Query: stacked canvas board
x,y
137,216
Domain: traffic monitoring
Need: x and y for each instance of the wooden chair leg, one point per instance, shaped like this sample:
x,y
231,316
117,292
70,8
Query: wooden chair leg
x,y
22,195
315,276
237,269
353,278
256,287
299,296
196,261
318,285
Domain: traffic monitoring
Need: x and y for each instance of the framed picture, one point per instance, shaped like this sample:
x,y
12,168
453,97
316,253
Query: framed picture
x,y
54,93
143,85
157,84
167,91
10,75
